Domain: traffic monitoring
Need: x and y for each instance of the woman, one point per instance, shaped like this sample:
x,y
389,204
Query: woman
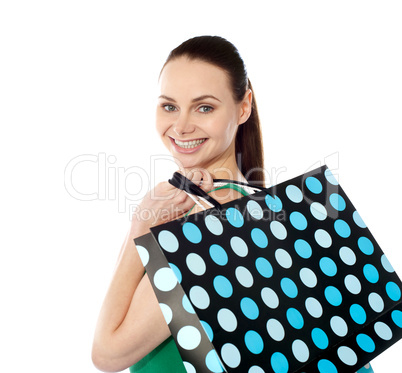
x,y
207,118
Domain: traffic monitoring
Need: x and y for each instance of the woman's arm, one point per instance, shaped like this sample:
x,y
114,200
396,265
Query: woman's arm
x,y
130,323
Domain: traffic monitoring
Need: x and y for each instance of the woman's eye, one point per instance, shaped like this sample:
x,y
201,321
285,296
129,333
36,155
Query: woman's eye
x,y
205,109
169,107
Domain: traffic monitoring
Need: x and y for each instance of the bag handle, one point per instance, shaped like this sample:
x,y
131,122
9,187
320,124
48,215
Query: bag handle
x,y
181,182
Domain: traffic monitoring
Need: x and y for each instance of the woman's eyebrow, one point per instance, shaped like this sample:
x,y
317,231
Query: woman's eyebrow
x,y
200,98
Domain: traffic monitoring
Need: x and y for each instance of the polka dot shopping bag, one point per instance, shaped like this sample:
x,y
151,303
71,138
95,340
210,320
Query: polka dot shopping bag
x,y
288,279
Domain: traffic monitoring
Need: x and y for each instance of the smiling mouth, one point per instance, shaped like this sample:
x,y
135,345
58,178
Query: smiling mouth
x,y
188,144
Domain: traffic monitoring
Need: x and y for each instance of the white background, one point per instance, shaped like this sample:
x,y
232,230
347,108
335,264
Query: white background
x,y
78,79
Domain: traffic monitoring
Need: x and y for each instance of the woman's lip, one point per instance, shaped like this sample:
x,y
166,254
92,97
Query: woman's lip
x,y
187,150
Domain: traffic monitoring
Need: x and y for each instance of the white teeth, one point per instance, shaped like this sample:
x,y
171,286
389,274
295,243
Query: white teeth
x,y
189,144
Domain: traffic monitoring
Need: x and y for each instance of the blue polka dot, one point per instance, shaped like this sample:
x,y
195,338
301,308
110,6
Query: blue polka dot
x,y
393,291
218,254
234,217
208,330
295,318
330,177
249,308
255,210
365,343
333,295
318,211
326,366
397,318
386,264
213,363
337,202
358,314
274,204
278,230
279,363
192,232
239,246
259,238
294,193
254,342
303,248
320,339
370,273
275,330
289,287
323,238
358,220
298,220
365,245
328,266
342,228
176,272
223,286
314,185
214,225
168,241
264,267
187,305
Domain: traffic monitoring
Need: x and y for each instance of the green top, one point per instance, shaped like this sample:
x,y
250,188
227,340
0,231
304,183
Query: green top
x,y
166,358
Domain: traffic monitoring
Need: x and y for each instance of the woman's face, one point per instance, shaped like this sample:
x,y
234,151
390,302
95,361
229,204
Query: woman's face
x,y
197,117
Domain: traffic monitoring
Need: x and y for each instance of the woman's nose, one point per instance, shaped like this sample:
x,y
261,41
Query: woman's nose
x,y
183,125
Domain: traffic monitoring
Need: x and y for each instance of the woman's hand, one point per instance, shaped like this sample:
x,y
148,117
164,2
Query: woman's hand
x,y
165,202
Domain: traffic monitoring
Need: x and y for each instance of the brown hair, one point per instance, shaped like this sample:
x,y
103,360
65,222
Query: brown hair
x,y
220,52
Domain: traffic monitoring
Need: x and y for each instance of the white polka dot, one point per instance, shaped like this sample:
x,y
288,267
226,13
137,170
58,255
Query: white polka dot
x,y
308,277
239,246
270,298
189,337
144,255
189,367
376,302
165,279
347,355
313,307
353,284
167,312
318,211
255,210
230,355
227,320
278,230
300,350
168,241
244,276
255,369
283,258
347,255
214,225
383,330
323,238
339,326
199,297
275,330
196,264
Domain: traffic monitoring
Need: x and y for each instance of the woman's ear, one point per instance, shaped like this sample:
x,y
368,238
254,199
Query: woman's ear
x,y
246,106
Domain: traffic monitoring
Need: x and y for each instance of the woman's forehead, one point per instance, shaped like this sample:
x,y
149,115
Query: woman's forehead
x,y
184,77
